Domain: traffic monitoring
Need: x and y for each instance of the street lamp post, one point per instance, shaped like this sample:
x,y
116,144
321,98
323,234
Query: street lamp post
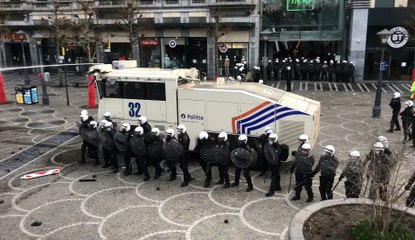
x,y
22,35
37,37
383,35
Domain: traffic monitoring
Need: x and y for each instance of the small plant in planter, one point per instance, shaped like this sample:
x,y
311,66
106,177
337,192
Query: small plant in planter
x,y
366,230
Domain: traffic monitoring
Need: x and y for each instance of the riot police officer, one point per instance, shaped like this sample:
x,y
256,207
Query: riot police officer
x,y
175,153
406,117
378,172
138,147
324,71
331,70
395,104
327,165
107,116
127,132
109,150
302,139
276,69
224,146
83,128
155,151
242,142
184,140
204,141
303,164
263,139
272,151
144,124
354,175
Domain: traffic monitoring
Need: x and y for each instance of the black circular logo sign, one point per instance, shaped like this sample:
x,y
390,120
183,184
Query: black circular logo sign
x,y
172,43
398,38
223,48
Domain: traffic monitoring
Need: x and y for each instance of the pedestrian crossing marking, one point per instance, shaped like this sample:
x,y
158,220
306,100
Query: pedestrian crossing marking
x,y
335,85
351,88
331,89
361,89
345,88
366,87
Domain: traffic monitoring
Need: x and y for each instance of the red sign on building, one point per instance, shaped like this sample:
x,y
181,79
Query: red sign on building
x,y
149,42
13,37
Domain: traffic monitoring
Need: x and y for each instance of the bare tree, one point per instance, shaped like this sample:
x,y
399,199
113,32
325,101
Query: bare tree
x,y
216,31
132,21
86,28
60,25
411,19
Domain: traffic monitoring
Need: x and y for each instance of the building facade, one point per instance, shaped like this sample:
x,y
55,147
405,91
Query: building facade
x,y
170,33
213,33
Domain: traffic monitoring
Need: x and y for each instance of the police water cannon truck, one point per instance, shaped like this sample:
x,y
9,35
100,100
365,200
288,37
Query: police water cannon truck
x,y
171,97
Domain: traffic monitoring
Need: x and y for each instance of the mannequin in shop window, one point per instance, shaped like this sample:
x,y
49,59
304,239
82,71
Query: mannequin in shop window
x,y
220,65
167,62
226,65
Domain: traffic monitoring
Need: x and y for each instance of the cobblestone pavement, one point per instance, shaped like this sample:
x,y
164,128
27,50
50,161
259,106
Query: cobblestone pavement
x,y
124,207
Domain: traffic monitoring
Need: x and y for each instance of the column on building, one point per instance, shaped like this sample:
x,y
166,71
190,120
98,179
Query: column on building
x,y
357,41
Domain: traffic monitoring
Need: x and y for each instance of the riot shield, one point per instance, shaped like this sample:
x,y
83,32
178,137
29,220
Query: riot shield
x,y
137,146
121,141
83,132
206,153
172,150
93,137
285,150
242,158
155,150
221,154
271,154
107,141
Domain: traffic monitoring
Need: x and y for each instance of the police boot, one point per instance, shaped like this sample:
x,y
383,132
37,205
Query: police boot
x,y
207,182
235,184
226,185
146,178
249,188
220,181
270,193
96,161
278,188
296,196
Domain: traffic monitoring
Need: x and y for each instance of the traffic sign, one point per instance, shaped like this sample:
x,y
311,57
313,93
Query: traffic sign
x,y
172,43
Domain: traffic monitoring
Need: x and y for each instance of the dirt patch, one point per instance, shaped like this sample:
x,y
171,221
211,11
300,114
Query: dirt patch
x,y
335,223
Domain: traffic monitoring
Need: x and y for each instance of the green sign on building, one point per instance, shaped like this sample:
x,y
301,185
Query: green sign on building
x,y
299,5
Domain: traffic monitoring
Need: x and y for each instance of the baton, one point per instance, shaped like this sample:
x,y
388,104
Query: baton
x,y
301,183
266,173
289,183
335,186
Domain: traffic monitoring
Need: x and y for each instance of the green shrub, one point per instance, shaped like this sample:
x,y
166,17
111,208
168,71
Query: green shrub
x,y
364,230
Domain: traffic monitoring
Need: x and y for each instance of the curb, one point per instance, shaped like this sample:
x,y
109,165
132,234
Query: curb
x,y
295,227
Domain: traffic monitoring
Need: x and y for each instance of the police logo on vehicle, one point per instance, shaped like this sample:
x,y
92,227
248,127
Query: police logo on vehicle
x,y
398,37
191,117
172,43
183,115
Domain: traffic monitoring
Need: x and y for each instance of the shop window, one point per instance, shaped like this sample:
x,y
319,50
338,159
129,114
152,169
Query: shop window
x,y
384,3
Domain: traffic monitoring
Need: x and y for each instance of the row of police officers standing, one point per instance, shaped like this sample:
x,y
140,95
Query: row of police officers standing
x,y
145,145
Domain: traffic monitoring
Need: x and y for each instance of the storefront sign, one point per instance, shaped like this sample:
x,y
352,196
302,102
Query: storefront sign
x,y
223,48
172,43
149,42
12,37
299,5
398,38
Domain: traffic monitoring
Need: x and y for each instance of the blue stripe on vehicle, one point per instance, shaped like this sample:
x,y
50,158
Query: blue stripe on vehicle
x,y
239,121
255,127
268,115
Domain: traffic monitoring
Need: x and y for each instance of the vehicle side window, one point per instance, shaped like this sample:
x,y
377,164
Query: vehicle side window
x,y
113,89
135,90
156,91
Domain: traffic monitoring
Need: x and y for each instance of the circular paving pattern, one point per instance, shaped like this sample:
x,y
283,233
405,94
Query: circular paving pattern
x,y
46,123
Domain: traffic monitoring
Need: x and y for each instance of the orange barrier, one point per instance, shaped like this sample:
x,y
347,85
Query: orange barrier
x,y
91,91
2,93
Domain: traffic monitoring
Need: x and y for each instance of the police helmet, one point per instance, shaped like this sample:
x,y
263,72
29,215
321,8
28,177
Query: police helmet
x,y
268,130
84,112
181,128
355,154
396,95
306,146
93,124
84,117
303,138
273,137
107,115
142,119
378,146
139,130
223,135
243,138
288,68
170,132
261,81
126,127
383,140
410,103
102,123
203,135
329,149
155,132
